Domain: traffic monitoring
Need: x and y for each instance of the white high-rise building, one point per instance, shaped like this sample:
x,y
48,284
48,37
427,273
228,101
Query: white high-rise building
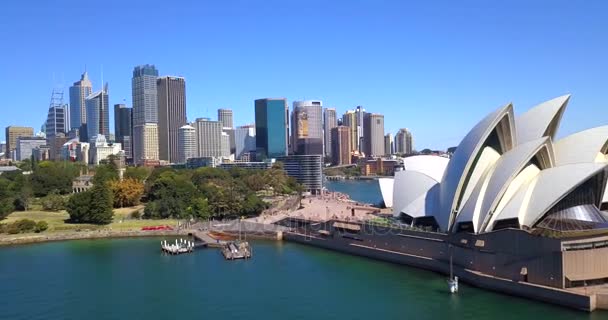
x,y
145,113
330,121
209,138
225,117
187,143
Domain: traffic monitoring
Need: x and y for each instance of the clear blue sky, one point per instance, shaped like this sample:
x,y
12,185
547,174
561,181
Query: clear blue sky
x,y
435,67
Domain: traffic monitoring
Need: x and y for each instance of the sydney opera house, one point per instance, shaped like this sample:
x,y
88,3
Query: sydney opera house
x,y
509,172
515,209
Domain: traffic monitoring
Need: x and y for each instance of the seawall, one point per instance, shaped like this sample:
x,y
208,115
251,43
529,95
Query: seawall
x,y
536,292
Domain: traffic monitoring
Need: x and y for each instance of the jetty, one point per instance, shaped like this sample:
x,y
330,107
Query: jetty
x,y
236,250
180,246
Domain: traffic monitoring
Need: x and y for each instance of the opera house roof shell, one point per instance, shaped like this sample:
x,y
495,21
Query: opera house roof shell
x,y
509,172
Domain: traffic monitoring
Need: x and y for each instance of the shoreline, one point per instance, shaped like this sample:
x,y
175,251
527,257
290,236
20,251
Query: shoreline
x,y
34,238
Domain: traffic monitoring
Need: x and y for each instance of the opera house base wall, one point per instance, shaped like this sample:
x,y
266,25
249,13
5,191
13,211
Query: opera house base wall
x,y
507,261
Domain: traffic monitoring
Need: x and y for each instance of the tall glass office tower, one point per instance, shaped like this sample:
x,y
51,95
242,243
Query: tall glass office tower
x,y
271,127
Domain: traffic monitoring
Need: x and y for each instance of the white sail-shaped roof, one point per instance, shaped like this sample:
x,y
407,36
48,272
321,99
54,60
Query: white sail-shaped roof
x,y
409,185
386,189
432,166
462,163
508,167
582,146
541,120
554,184
425,205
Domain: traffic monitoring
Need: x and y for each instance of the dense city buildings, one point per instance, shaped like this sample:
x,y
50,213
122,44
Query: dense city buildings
x,y
123,128
187,143
209,138
306,169
171,115
307,127
244,139
271,127
26,145
12,134
373,136
404,142
78,94
349,119
225,116
98,114
145,113
341,144
42,153
388,144
330,121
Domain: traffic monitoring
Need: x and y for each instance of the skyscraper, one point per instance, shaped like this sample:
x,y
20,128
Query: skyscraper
x,y
187,143
78,94
360,115
145,113
244,137
349,119
209,138
404,143
307,127
12,134
271,127
388,144
55,121
171,115
225,117
330,121
373,136
124,129
341,145
98,114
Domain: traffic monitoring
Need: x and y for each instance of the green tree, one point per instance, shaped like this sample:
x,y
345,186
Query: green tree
x,y
78,207
53,202
51,176
93,206
199,208
138,173
105,173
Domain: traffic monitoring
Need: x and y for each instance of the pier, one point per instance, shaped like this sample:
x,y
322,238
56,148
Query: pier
x,y
180,246
236,250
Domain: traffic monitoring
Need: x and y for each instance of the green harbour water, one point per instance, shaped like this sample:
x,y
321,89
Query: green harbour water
x,y
131,279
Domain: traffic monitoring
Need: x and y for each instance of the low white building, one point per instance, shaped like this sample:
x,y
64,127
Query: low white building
x,y
101,149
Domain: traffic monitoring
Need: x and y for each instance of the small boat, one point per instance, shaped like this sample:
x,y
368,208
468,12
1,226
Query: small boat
x,y
452,281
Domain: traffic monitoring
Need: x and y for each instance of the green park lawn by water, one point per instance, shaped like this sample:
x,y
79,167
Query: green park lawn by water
x,y
131,279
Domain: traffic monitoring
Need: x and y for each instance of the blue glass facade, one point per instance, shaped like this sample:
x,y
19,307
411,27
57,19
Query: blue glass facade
x,y
271,127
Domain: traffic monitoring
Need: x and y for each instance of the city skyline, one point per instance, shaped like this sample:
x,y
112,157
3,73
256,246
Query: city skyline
x,y
441,62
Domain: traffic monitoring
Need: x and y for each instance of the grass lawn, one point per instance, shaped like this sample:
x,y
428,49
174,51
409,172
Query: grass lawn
x,y
57,220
